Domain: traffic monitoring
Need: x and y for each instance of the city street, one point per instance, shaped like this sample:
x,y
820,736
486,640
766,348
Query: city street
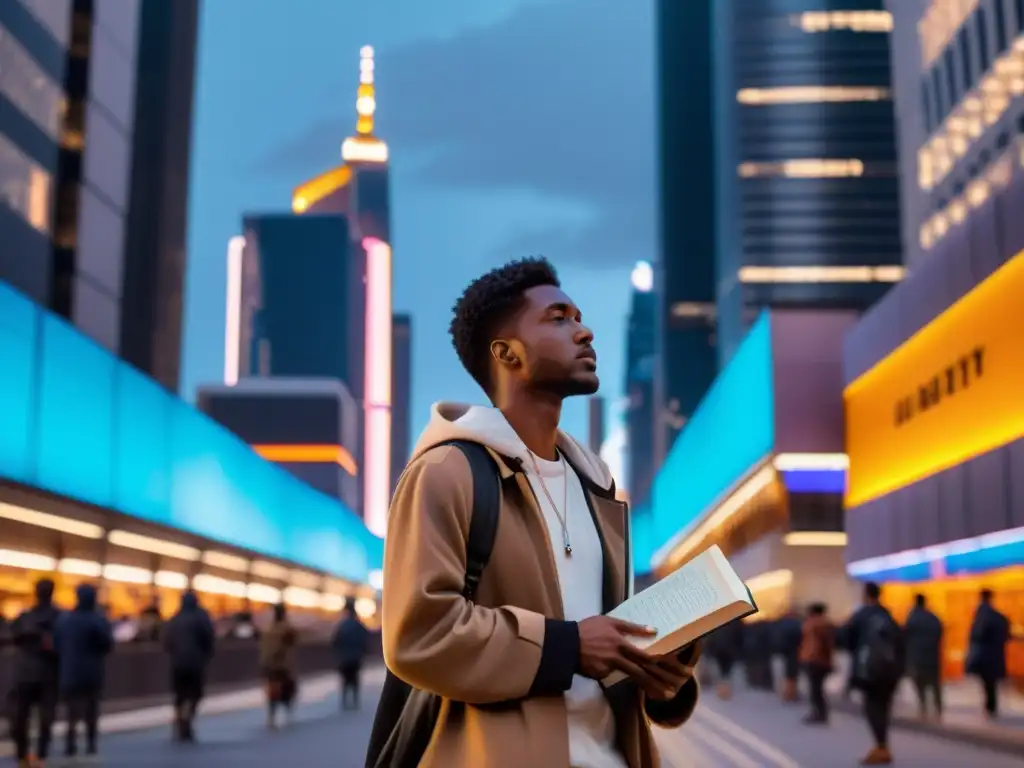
x,y
752,731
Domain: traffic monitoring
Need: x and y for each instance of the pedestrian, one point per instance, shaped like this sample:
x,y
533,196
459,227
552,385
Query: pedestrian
x,y
350,644
923,631
36,682
788,637
725,646
518,657
757,655
83,639
817,648
189,641
986,650
876,644
277,663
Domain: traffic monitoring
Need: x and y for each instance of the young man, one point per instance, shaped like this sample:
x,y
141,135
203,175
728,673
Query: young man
x,y
527,656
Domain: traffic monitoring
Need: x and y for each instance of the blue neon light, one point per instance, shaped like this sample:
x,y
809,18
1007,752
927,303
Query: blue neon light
x,y
732,429
642,538
815,480
76,421
18,332
956,559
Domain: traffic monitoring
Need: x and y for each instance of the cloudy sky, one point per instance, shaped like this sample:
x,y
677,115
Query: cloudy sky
x,y
516,127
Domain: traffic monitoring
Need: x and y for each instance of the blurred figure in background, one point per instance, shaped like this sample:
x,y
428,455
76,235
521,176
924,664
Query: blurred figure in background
x,y
757,655
923,631
189,641
350,645
276,660
148,626
724,647
816,652
986,650
788,634
36,674
83,639
876,644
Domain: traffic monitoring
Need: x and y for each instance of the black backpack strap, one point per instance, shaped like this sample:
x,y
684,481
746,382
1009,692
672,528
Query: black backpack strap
x,y
483,525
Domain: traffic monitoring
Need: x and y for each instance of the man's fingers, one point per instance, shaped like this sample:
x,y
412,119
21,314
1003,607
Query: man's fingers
x,y
636,655
637,630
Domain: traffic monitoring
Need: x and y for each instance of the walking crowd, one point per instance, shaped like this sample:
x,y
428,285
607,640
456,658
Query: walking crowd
x,y
881,653
61,658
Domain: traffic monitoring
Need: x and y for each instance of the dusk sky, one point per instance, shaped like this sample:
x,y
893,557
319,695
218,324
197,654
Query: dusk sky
x,y
516,127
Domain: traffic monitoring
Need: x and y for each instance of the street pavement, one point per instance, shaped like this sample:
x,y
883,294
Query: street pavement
x,y
753,730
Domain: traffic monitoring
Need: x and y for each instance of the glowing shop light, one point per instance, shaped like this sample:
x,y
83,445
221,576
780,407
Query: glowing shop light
x,y
377,386
642,277
364,150
233,320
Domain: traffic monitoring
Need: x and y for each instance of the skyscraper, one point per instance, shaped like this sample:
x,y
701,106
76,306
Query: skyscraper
x,y
356,192
641,348
300,304
934,419
686,362
808,191
401,395
95,109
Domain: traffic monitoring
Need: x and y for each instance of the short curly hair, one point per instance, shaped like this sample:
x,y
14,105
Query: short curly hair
x,y
486,304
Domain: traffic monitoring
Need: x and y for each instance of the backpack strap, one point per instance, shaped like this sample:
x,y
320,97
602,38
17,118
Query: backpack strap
x,y
483,524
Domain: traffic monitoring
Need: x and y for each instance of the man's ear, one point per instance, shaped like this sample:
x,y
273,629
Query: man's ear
x,y
502,352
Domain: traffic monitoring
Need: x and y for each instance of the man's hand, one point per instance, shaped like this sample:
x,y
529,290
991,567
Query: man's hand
x,y
605,648
671,675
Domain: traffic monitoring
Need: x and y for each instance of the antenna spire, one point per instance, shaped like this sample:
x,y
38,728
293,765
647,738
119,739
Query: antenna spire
x,y
366,101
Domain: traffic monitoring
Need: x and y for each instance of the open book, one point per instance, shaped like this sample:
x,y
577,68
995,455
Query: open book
x,y
692,601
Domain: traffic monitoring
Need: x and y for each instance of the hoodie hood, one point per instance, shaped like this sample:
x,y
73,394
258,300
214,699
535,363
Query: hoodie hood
x,y
86,597
189,602
488,426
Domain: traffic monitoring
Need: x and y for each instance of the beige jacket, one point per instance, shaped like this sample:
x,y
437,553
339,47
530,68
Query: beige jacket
x,y
503,663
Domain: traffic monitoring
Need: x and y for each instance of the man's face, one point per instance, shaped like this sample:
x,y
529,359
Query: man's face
x,y
553,344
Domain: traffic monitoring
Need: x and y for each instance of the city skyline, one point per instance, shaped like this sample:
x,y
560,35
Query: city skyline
x,y
246,159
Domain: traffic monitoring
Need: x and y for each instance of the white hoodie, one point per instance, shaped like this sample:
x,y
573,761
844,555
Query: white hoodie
x,y
580,576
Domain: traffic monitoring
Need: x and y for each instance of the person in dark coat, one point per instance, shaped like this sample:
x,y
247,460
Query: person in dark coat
x,y
923,632
189,641
986,650
788,635
36,673
350,642
873,627
83,639
757,655
725,647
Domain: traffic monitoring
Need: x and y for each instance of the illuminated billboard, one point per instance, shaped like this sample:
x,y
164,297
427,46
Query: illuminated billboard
x,y
732,430
76,421
949,393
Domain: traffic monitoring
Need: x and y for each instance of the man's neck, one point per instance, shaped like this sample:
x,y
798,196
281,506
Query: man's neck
x,y
534,418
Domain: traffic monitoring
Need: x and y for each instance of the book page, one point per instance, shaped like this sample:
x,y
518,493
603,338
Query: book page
x,y
687,595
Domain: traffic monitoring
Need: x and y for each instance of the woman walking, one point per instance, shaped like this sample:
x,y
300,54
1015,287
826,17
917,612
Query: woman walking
x,y
278,666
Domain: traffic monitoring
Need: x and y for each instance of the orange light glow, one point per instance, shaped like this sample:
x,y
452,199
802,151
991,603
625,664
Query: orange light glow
x,y
949,393
315,190
309,454
377,390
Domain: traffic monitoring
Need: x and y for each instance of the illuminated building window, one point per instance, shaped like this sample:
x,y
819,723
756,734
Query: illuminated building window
x,y
887,274
24,185
850,21
996,176
939,24
810,94
28,87
981,108
692,309
808,168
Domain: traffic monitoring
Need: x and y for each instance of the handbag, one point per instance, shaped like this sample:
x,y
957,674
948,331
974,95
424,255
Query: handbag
x,y
406,717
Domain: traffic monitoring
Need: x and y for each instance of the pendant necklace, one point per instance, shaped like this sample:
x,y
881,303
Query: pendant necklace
x,y
563,517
